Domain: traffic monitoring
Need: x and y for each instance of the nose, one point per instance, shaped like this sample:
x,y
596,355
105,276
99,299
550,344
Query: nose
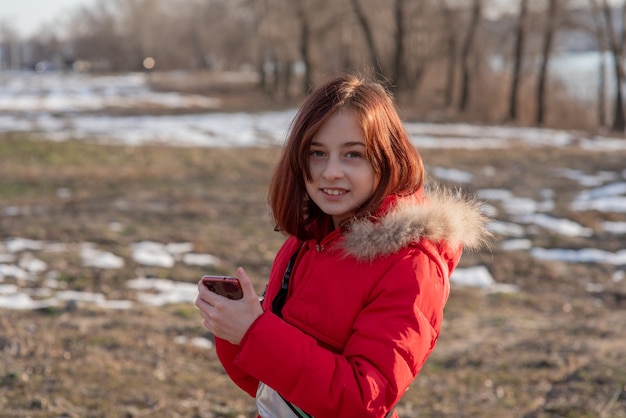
x,y
333,169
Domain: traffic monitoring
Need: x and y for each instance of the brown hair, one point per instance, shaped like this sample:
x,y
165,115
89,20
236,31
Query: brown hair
x,y
397,164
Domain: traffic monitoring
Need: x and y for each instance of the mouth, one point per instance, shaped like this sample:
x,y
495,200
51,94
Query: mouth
x,y
334,192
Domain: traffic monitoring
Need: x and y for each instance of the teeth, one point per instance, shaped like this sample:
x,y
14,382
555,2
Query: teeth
x,y
333,192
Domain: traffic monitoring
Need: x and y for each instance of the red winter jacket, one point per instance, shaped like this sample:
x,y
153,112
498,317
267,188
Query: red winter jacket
x,y
364,309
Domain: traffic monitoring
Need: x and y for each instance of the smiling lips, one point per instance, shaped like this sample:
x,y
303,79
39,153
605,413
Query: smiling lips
x,y
335,192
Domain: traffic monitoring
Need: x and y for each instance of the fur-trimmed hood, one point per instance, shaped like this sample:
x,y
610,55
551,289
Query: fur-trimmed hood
x,y
442,215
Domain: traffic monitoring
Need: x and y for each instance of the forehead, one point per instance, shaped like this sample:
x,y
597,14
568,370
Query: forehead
x,y
342,128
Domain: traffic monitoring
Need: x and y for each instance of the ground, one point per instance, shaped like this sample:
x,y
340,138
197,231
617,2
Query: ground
x,y
555,348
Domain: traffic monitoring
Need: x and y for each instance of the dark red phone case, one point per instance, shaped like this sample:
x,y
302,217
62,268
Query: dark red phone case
x,y
226,286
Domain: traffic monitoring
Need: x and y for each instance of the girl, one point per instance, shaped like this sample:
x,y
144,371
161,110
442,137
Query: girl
x,y
355,297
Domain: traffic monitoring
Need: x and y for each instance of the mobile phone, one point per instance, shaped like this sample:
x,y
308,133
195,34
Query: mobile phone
x,y
226,286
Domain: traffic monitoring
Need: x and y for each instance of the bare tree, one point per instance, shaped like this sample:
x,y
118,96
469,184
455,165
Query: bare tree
x,y
428,31
452,51
398,61
548,41
600,36
139,20
619,122
95,36
292,43
9,47
325,42
518,58
476,14
305,46
277,42
368,34
198,21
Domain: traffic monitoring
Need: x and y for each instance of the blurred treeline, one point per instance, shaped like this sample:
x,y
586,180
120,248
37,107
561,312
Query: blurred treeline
x,y
436,55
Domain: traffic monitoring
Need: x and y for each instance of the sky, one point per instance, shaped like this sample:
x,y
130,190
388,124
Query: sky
x,y
27,16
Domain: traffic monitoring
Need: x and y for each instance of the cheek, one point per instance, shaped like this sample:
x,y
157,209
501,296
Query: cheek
x,y
315,166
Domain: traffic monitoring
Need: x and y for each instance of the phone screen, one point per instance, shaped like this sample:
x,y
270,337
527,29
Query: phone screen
x,y
226,286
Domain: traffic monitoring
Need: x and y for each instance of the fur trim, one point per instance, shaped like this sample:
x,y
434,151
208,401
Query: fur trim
x,y
445,215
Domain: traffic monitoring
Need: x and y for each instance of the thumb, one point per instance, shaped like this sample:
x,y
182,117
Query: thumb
x,y
245,282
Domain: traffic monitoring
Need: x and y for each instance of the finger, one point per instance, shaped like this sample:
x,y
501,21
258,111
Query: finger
x,y
205,316
246,283
203,306
205,294
207,325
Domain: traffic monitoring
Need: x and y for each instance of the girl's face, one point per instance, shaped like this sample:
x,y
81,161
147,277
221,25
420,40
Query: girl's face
x,y
342,179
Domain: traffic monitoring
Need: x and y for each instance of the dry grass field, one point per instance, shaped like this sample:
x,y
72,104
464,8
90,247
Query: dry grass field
x,y
553,349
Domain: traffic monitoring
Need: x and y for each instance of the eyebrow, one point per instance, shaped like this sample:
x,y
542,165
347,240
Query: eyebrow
x,y
344,145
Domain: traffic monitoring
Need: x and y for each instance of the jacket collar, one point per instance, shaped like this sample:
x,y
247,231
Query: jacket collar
x,y
438,215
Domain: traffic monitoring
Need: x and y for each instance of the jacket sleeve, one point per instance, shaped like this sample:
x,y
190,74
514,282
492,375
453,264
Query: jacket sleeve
x,y
392,338
227,354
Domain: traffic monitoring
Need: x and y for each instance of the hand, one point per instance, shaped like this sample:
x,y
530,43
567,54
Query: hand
x,y
225,318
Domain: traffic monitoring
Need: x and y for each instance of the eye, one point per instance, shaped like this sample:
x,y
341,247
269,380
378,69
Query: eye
x,y
354,154
317,153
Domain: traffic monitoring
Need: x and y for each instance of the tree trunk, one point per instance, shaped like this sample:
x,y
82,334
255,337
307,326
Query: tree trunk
x,y
619,123
288,77
548,41
518,58
399,44
451,44
465,54
600,36
369,41
262,75
305,54
602,91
